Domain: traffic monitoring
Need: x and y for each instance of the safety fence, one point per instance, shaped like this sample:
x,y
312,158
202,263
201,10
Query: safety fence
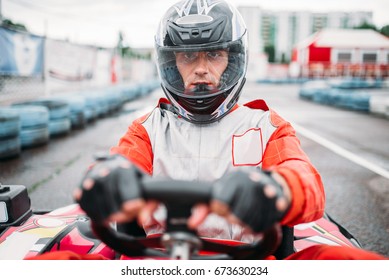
x,y
17,88
359,70
32,66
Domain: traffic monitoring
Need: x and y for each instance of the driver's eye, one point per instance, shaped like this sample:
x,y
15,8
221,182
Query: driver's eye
x,y
190,56
213,54
217,55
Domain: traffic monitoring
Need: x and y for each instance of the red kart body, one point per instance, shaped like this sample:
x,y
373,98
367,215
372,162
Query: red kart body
x,y
68,228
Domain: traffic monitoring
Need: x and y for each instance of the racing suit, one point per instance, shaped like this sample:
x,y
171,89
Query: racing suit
x,y
250,136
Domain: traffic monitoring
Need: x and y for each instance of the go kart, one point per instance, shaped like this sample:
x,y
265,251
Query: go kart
x,y
25,233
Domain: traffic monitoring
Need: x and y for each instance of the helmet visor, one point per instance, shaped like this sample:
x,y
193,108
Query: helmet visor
x,y
201,72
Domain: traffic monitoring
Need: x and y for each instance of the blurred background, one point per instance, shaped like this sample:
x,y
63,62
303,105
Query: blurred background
x,y
53,46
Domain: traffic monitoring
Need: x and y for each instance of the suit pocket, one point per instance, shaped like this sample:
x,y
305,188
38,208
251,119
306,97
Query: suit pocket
x,y
247,148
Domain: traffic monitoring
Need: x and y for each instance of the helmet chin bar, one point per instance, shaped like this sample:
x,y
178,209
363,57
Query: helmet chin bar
x,y
229,99
201,88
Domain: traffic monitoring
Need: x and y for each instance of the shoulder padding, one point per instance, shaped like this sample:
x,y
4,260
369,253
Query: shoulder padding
x,y
257,104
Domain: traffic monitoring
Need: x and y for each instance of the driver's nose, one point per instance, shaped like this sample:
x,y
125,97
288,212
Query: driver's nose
x,y
201,67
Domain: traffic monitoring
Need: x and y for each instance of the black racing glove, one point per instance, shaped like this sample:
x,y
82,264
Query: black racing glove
x,y
116,180
244,193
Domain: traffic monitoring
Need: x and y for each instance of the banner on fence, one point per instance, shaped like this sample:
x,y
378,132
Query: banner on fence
x,y
75,67
21,54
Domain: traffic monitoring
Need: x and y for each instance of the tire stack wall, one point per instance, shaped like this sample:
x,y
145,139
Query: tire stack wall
x,y
10,144
34,125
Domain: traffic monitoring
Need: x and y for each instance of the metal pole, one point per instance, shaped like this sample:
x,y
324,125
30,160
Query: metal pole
x,y
1,15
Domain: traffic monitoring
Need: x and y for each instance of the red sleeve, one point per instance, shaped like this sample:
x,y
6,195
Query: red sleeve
x,y
284,155
328,252
135,145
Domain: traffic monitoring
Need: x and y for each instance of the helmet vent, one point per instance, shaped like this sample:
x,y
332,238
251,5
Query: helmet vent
x,y
204,33
195,32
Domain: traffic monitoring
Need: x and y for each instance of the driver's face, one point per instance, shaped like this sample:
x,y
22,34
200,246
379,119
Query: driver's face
x,y
205,67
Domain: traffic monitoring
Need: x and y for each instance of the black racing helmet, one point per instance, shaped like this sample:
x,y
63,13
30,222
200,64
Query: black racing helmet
x,y
210,27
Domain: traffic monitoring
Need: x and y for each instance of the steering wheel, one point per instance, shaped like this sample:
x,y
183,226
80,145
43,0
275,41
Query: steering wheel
x,y
178,241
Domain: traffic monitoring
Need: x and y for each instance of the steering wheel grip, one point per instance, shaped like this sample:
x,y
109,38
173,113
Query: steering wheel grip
x,y
183,195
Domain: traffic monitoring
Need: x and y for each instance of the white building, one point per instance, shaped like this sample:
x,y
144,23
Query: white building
x,y
283,29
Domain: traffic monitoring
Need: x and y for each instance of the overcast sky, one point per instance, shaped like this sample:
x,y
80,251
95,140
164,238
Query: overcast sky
x,y
98,22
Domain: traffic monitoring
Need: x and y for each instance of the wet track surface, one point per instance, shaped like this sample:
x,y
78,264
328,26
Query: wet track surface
x,y
357,197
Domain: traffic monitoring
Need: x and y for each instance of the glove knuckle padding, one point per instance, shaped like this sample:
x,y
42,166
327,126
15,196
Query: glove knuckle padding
x,y
226,188
110,190
93,202
247,199
129,186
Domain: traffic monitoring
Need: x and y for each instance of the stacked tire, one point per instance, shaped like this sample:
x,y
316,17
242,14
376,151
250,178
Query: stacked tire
x,y
96,104
59,112
314,90
77,110
34,125
91,105
10,144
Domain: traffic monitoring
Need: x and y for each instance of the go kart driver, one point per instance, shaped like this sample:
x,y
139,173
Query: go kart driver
x,y
200,132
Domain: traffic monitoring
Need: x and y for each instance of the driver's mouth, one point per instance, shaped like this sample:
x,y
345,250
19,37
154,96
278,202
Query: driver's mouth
x,y
200,87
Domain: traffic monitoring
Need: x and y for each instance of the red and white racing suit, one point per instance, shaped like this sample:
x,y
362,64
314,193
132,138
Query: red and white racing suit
x,y
167,146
